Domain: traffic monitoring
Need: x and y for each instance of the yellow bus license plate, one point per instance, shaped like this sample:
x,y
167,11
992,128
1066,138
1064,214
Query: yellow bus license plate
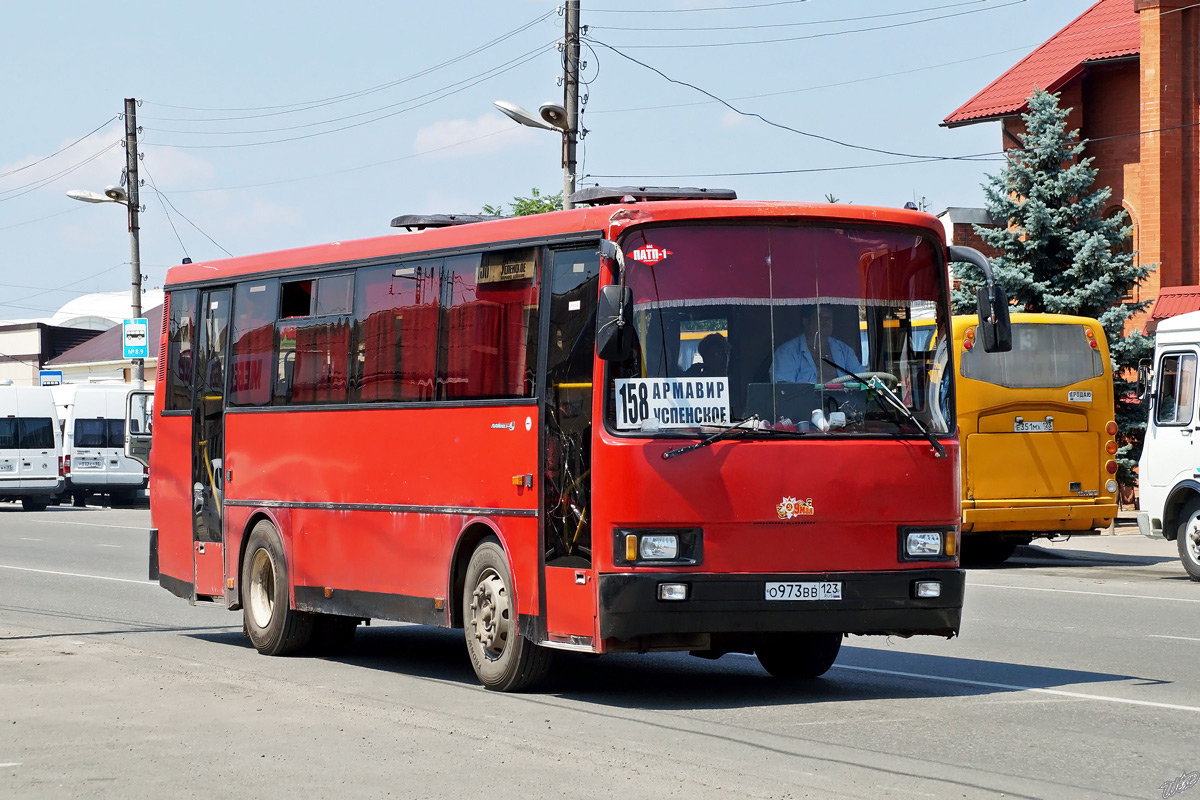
x,y
1046,426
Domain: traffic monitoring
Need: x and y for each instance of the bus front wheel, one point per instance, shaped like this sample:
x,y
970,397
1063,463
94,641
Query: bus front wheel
x,y
1188,539
273,626
503,659
799,656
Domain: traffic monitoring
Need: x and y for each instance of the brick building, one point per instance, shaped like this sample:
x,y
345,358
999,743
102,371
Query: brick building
x,y
1130,72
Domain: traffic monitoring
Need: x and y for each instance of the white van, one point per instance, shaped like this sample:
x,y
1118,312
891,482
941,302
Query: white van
x,y
94,443
31,463
1168,476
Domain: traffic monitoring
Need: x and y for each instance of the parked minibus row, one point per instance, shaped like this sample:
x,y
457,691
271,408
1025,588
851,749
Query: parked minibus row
x,y
66,444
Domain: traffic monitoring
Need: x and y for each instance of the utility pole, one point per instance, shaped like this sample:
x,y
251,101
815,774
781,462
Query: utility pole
x,y
131,191
570,97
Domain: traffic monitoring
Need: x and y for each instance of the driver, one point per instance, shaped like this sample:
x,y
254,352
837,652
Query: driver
x,y
802,360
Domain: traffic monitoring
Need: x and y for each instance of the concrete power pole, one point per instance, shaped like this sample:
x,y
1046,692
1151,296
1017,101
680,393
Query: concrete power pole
x,y
131,191
570,98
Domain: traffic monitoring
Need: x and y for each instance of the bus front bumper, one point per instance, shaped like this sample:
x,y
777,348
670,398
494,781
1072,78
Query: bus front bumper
x,y
872,603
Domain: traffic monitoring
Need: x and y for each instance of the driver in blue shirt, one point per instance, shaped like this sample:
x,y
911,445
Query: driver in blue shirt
x,y
802,360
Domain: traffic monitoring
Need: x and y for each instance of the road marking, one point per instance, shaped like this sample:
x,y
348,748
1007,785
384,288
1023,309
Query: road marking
x,y
1080,591
27,539
110,545
1013,688
10,764
1164,636
90,524
77,575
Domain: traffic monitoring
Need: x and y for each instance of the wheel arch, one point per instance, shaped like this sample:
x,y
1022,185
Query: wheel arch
x,y
256,516
1179,497
474,532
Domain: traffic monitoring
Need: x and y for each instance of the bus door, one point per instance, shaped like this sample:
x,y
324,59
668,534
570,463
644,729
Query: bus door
x,y
208,443
1174,428
569,596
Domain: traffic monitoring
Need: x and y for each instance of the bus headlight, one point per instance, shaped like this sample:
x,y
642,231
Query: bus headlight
x,y
927,544
658,547
919,544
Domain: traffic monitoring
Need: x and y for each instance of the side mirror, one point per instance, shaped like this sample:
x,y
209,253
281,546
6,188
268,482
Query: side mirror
x,y
1143,379
139,423
615,337
994,322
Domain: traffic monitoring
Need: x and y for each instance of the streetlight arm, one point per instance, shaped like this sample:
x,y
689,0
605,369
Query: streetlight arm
x,y
89,196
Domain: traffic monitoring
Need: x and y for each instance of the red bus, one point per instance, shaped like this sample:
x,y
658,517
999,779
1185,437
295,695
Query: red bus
x,y
664,420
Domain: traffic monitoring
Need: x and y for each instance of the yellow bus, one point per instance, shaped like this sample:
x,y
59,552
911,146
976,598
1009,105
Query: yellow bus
x,y
1038,432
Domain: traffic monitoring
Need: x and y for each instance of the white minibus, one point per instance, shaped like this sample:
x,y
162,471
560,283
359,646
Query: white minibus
x,y
94,443
1168,475
31,464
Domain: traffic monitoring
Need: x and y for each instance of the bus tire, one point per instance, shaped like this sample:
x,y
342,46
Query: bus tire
x,y
503,659
981,550
274,627
1188,538
799,656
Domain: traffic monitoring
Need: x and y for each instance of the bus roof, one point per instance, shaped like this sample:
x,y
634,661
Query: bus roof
x,y
604,220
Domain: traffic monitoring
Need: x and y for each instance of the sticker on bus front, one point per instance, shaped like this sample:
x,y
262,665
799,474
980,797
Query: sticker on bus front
x,y
653,403
649,254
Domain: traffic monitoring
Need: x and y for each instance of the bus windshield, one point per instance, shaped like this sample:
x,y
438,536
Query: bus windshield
x,y
802,329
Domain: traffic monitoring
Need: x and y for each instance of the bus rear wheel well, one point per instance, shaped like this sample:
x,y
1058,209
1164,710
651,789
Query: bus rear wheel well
x,y
467,542
236,602
1173,511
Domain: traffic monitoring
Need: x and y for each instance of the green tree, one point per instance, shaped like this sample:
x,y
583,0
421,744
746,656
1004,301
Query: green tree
x,y
536,203
1058,255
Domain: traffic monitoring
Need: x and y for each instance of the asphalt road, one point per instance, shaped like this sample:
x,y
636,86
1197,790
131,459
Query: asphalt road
x,y
1076,675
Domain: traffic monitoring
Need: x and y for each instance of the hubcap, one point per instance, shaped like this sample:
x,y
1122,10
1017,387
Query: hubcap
x,y
262,589
1192,535
491,614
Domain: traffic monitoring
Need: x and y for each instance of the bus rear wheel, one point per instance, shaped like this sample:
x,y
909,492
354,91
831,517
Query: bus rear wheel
x,y
503,659
1188,539
273,626
799,656
981,550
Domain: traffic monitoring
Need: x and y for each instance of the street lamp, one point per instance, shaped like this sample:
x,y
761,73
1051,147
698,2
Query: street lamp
x,y
553,117
115,194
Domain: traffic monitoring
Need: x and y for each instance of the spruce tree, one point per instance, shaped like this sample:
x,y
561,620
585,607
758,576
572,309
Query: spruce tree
x,y
1058,255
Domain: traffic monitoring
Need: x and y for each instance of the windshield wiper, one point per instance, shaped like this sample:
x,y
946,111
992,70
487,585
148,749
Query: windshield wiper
x,y
883,391
716,437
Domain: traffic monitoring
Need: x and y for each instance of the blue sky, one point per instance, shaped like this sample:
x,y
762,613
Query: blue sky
x,y
273,124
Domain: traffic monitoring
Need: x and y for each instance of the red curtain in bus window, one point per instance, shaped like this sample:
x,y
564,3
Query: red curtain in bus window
x,y
417,328
322,353
251,364
486,353
379,357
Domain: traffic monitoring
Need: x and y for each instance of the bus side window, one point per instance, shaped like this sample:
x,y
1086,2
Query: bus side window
x,y
1176,390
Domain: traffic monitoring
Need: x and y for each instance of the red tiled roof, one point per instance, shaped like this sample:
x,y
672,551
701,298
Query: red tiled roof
x,y
1107,30
108,345
1175,301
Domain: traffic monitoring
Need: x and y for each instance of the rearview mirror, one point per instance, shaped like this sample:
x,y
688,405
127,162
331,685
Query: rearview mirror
x,y
1143,379
615,336
139,422
995,326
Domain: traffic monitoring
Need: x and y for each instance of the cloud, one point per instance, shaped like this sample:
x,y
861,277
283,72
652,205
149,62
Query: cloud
x,y
455,138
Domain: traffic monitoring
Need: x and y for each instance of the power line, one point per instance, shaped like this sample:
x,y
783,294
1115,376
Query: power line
x,y
167,213
510,63
39,219
783,24
48,291
842,168
365,122
817,35
310,104
691,10
781,126
38,184
60,150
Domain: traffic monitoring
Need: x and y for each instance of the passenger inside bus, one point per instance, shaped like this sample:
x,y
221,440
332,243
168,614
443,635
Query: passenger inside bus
x,y
714,357
805,359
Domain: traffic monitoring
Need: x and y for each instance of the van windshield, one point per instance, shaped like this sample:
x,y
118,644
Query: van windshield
x,y
774,321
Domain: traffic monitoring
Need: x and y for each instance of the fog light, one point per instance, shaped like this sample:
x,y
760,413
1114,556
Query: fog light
x,y
672,591
923,543
659,546
928,589
1111,487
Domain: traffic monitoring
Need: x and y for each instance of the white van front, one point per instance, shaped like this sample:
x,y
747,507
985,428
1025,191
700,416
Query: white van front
x,y
96,446
30,447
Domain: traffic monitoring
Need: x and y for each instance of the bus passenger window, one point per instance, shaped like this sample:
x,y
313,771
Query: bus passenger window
x,y
295,299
